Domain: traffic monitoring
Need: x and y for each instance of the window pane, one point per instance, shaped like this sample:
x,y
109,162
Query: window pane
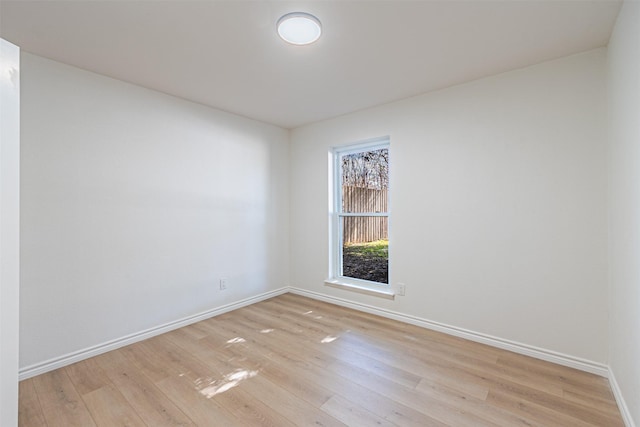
x,y
365,181
365,248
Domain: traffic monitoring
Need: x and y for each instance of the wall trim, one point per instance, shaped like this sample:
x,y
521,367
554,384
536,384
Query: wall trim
x,y
622,404
516,347
528,350
76,356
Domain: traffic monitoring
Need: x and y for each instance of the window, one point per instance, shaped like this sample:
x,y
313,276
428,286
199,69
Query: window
x,y
360,216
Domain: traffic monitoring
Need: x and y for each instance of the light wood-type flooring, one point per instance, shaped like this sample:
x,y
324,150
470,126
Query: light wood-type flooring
x,y
293,361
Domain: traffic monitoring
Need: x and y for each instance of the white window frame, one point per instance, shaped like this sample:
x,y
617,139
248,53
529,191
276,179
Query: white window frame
x,y
336,279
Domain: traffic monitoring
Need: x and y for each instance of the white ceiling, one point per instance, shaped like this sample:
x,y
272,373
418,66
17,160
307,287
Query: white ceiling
x,y
226,54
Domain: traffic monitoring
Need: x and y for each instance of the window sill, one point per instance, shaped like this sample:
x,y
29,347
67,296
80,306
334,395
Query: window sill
x,y
382,293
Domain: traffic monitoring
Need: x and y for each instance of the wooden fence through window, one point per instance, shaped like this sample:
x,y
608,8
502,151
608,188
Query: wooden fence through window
x,y
365,228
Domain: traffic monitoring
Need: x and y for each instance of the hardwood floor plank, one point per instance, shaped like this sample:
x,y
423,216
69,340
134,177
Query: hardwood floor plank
x,y
293,361
400,376
214,350
250,411
465,402
424,363
201,409
87,376
221,384
150,403
296,410
364,322
61,403
364,397
444,412
276,339
195,331
109,407
551,402
278,373
465,383
352,414
376,402
29,409
530,411
605,405
146,360
564,376
323,384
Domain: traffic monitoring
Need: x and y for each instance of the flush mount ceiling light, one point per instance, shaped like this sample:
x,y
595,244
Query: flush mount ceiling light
x,y
299,28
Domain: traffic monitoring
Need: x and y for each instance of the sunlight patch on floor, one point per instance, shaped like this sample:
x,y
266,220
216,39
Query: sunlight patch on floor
x,y
328,339
227,383
236,340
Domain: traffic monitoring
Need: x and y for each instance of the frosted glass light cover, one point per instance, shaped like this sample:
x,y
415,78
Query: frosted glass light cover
x,y
299,28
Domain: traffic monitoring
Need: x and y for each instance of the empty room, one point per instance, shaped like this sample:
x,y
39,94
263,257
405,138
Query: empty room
x,y
329,213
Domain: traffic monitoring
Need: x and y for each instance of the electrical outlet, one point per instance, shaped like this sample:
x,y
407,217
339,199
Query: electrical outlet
x,y
402,288
223,284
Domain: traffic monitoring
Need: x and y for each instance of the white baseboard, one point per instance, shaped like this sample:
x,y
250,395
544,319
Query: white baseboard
x,y
76,356
622,404
516,347
539,353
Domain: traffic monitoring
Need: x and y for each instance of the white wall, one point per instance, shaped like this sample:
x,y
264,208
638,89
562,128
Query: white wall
x,y
134,205
498,204
624,113
9,230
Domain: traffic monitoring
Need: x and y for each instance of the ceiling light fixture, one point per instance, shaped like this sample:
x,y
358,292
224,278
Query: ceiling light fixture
x,y
299,28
